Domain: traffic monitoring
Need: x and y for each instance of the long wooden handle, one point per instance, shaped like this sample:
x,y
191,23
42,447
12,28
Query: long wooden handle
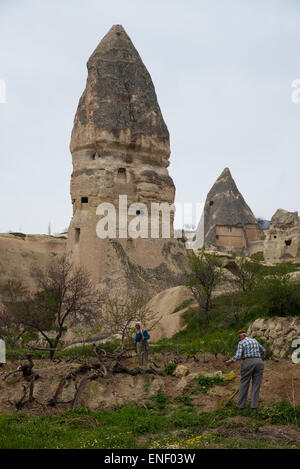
x,y
233,395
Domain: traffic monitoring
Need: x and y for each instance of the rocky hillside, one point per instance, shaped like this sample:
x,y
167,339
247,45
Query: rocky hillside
x,y
19,253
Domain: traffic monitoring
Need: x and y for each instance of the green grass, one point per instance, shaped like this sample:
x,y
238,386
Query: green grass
x,y
131,426
288,266
185,400
80,352
183,305
157,401
227,316
214,441
217,337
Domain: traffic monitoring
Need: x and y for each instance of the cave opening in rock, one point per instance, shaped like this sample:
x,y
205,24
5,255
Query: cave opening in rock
x,y
77,235
122,175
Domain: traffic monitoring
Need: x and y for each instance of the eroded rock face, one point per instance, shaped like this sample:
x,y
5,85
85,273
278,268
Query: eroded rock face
x,y
119,103
19,255
283,237
278,333
228,221
120,146
120,142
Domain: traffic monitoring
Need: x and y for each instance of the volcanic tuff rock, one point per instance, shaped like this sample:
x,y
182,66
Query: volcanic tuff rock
x,y
19,255
283,237
228,220
282,219
119,103
120,142
120,146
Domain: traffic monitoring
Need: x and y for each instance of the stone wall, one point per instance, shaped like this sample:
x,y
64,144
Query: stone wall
x,y
278,333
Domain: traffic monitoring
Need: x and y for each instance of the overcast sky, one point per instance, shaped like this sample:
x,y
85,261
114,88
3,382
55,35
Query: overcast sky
x,y
222,70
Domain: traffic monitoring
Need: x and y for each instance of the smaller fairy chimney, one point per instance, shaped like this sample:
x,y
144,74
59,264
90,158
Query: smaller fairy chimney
x,y
229,222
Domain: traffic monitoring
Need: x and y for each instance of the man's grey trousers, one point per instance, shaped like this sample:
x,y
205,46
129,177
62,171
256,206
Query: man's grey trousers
x,y
252,368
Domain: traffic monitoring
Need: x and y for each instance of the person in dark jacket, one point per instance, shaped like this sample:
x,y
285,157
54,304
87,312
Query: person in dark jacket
x,y
141,339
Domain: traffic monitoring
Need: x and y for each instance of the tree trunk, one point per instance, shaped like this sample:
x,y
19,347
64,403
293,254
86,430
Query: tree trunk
x,y
56,342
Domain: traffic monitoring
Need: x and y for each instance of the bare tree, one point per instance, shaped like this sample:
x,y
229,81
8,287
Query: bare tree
x,y
12,292
65,296
121,312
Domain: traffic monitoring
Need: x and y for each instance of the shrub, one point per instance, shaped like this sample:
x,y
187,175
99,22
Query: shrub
x,y
275,296
19,235
157,401
183,305
258,256
170,368
185,400
207,382
281,413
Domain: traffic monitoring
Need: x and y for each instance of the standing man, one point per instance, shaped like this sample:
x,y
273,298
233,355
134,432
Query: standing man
x,y
252,353
141,339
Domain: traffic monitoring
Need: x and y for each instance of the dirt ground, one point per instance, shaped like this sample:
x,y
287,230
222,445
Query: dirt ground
x,y
281,383
283,433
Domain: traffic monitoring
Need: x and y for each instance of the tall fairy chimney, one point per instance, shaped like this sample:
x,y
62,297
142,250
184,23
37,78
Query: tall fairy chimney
x,y
120,146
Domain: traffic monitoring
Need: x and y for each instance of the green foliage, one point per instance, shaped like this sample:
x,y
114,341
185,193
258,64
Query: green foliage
x,y
184,419
219,336
206,274
29,337
275,295
170,368
207,382
281,413
257,256
183,305
249,273
124,426
81,352
185,400
157,401
223,342
19,235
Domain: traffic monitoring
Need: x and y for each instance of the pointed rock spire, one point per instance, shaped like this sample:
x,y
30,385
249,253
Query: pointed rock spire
x,y
225,174
225,206
119,104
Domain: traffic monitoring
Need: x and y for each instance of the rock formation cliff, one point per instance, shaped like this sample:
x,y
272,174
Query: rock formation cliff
x,y
120,146
282,243
228,221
